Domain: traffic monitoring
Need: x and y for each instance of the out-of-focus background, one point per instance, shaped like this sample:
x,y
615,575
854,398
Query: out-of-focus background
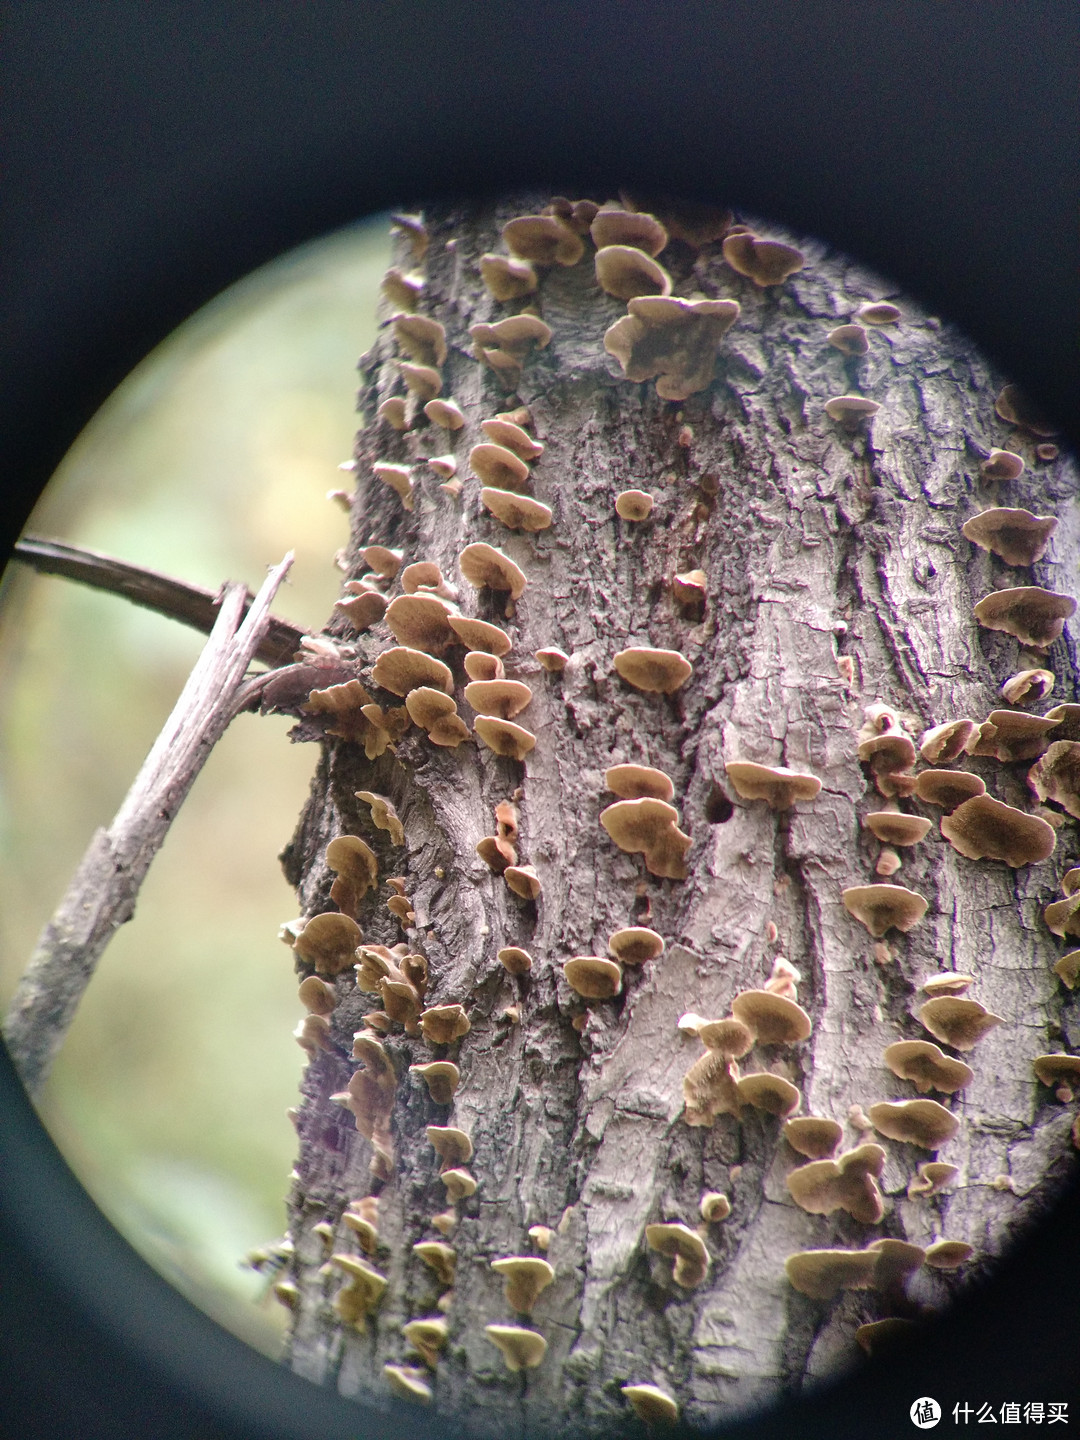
x,y
210,461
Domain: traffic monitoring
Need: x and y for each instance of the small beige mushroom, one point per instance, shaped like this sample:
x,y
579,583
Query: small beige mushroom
x,y
521,1349
593,976
655,671
1056,776
328,942
636,782
986,829
768,1092
421,338
364,608
1028,687
510,436
927,1067
714,1207
1001,465
459,1183
729,1037
780,788
517,512
651,1405
956,1021
948,788
932,1177
1033,615
634,505
1014,407
949,982
427,1336
847,1183
526,1276
480,635
627,272
850,409
687,1249
443,1024
765,262
445,413
543,239
383,815
481,666
453,1146
1010,735
894,828
501,698
401,669
362,1294
420,622
439,1257
514,960
553,660
710,1089
772,1019
1063,916
1067,969
878,312
397,478
356,870
882,907
317,996
499,467
1055,1070
915,1122
507,277
635,944
649,827
628,227
524,881
395,412
408,1383
672,340
813,1136
402,290
503,736
946,742
441,1078
822,1274
948,1254
482,565
849,339
1018,536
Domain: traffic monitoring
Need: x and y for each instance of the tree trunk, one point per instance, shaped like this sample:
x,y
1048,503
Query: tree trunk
x,y
836,578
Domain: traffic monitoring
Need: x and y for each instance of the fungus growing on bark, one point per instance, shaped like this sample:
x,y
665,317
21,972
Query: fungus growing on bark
x,y
931,1178
813,1136
1014,407
436,713
1033,615
927,1067
715,1207
498,467
685,1247
628,227
312,1034
635,944
627,273
850,409
443,1024
768,1092
987,829
524,881
649,827
437,1256
847,1183
671,340
521,1349
353,716
651,1405
1000,465
915,1122
398,478
948,1254
593,976
356,869
729,1037
654,671
1058,1070
1019,537
709,1089
778,787
356,1300
849,339
949,982
552,659
526,1277
401,669
423,381
503,736
317,996
514,960
888,862
497,853
459,1183
634,505
541,1236
943,743
420,622
638,782
881,1337
883,907
402,291
427,1336
482,565
765,262
822,1274
453,1146
364,607
444,413
395,412
543,239
957,1022
441,1078
772,1019
878,312
421,338
1067,969
1028,687
893,828
517,512
1057,776
948,788
329,942
383,815
1047,452
510,436
480,635
1010,735
382,560
507,277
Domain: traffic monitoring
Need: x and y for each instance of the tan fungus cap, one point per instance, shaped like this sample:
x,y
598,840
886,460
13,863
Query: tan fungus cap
x,y
847,1183
813,1136
507,277
593,976
526,1276
915,1122
636,782
987,829
672,340
655,671
687,1249
958,1022
482,565
772,1019
401,669
948,788
1018,536
1033,615
626,273
329,942
927,1067
778,787
765,262
849,339
521,1349
883,907
635,944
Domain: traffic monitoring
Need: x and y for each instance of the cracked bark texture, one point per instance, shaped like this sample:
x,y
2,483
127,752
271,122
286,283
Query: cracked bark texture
x,y
818,542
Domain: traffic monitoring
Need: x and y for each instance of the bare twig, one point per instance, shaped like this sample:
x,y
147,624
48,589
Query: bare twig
x,y
102,893
190,604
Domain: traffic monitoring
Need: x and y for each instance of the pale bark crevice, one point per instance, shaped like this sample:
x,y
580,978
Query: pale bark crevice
x,y
817,544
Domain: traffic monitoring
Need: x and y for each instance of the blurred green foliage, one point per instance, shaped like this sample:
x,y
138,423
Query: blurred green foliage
x,y
210,461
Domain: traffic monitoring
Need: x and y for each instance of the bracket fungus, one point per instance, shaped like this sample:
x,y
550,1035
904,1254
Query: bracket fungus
x,y
593,976
503,736
728,1037
822,1274
421,622
1015,408
421,338
772,1019
847,1183
893,828
510,436
526,1277
649,827
395,412
1028,687
328,942
397,478
948,982
655,671
453,1146
443,1024
710,1089
441,1078
427,1336
628,227
499,467
459,1183
635,944
552,659
638,782
516,512
850,409
543,239
423,381
445,413
879,312
507,277
500,698
514,960
521,1349
436,713
1067,969
626,272
633,505
1054,1070
986,829
931,1178
317,996
651,1405
438,1257
480,635
402,290
948,1254
1009,735
945,742
1001,465
356,871
356,1300
956,1021
524,881
1056,776
1017,536
927,1067
948,788
884,907
915,1122
771,1093
714,1207
401,669
1031,614
765,262
850,340
364,607
813,1136
778,787
671,340
685,1247
482,565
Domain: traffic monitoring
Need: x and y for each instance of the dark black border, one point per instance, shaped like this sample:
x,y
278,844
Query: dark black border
x,y
156,153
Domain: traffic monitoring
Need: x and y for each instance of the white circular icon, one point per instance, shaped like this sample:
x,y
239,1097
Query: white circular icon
x,y
925,1413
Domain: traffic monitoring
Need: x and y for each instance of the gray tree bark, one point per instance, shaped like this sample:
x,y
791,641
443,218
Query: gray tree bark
x,y
829,553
